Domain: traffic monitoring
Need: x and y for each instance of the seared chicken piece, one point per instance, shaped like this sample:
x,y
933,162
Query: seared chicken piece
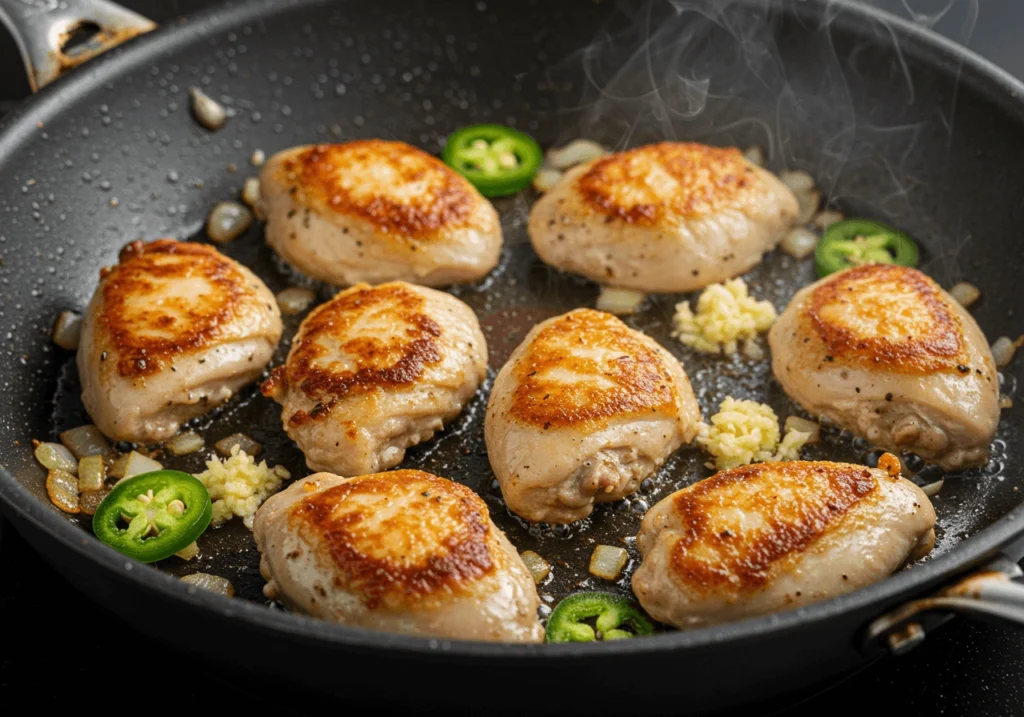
x,y
173,331
772,536
666,217
887,354
583,411
374,371
377,211
404,551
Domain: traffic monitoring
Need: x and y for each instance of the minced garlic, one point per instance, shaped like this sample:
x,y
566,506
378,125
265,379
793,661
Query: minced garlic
x,y
726,315
238,485
747,432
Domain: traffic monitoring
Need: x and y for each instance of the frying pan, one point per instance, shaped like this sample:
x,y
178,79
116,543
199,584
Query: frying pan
x,y
893,121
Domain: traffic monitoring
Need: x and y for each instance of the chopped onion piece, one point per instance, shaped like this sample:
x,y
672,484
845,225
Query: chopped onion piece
x,y
807,206
67,330
802,425
295,300
185,443
244,443
62,487
133,464
1003,350
86,441
227,221
1005,402
54,456
576,152
607,562
189,552
754,155
90,500
826,218
932,489
213,583
799,243
546,179
965,294
797,181
207,111
92,471
537,566
620,301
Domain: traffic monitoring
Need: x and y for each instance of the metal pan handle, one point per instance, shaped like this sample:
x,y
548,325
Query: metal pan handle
x,y
990,595
55,36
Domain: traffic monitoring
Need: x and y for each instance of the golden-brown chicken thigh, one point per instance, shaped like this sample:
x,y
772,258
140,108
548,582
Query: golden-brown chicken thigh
x,y
665,217
886,353
375,370
173,331
404,551
773,536
582,412
377,211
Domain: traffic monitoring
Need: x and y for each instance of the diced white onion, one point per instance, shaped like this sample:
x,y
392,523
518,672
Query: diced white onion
x,y
799,243
807,206
295,300
244,443
133,464
213,583
258,158
86,441
227,221
932,489
576,152
92,471
965,294
538,566
797,181
620,301
826,218
62,487
546,179
1005,402
802,425
754,155
207,111
89,501
1003,350
607,562
189,552
185,443
67,330
251,192
54,456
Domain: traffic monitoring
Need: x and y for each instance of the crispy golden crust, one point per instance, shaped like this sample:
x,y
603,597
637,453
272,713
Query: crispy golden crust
x,y
397,188
818,494
892,317
629,378
147,319
669,179
329,360
402,534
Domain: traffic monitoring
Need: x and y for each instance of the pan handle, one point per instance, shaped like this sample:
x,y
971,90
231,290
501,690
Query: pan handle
x,y
55,36
990,595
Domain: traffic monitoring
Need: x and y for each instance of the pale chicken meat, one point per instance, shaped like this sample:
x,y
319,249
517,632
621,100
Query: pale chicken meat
x,y
374,371
174,330
884,352
583,411
404,552
375,211
774,536
665,217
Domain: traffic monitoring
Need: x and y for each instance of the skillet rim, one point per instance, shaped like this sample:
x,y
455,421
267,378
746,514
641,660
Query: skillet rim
x,y
927,47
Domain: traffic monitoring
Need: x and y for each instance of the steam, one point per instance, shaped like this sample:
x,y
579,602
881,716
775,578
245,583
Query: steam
x,y
815,90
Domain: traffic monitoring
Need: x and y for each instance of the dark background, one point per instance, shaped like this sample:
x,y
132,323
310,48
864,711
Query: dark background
x,y
57,650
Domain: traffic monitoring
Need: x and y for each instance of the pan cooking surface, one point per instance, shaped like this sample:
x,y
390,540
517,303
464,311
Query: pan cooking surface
x,y
129,162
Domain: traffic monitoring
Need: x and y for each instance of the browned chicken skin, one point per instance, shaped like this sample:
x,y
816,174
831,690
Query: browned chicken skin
x,y
377,211
404,551
582,412
771,536
173,331
667,217
886,353
376,370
